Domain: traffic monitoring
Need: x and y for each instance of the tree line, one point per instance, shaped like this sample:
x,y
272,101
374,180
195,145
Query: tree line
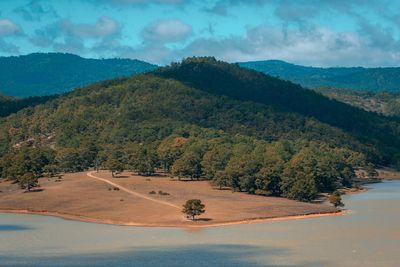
x,y
292,169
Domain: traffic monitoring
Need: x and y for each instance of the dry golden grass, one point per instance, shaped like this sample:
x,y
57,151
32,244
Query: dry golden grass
x,y
81,197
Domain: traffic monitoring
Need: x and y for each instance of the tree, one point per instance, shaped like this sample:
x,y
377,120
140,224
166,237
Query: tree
x,y
299,177
70,160
169,150
189,165
114,164
215,160
241,171
220,179
51,170
28,181
336,200
143,159
370,169
193,207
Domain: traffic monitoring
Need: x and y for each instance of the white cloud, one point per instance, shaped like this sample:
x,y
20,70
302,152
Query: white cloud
x,y
166,31
318,47
104,27
7,27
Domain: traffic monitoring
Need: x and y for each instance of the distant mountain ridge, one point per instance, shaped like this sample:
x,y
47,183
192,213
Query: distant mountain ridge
x,y
359,78
42,74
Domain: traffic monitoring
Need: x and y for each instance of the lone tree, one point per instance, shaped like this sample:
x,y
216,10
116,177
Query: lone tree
x,y
115,165
193,207
28,181
371,171
336,200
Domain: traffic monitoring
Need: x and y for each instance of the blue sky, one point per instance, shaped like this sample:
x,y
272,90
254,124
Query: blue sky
x,y
308,32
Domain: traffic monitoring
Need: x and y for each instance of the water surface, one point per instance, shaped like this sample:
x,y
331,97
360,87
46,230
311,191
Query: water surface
x,y
369,236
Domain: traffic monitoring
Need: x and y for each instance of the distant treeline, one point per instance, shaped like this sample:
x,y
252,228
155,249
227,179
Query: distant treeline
x,y
297,170
9,105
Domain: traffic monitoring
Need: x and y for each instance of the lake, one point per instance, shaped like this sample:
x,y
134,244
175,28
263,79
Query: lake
x,y
369,236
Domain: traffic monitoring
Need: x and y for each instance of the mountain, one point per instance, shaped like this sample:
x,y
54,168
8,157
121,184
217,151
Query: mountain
x,y
203,118
52,73
370,79
386,103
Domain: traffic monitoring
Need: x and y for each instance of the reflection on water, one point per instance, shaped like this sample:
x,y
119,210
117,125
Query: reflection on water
x,y
369,236
193,256
13,227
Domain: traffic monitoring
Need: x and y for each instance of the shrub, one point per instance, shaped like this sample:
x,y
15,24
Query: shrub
x,y
163,193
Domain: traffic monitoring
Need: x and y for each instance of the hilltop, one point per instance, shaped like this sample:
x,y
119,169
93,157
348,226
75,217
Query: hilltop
x,y
42,74
359,78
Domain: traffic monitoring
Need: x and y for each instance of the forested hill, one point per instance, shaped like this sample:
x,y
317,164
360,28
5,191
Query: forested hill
x,y
371,79
52,73
201,118
210,75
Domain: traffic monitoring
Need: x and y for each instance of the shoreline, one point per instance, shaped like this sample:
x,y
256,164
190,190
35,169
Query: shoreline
x,y
80,218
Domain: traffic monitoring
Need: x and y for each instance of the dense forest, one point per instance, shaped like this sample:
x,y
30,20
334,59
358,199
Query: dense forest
x,y
369,79
9,105
42,74
386,103
201,119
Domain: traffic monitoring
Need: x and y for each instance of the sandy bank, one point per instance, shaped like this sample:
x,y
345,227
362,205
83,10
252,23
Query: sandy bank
x,y
247,221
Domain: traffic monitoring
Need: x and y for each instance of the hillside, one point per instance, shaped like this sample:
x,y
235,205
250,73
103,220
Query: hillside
x,y
9,105
228,79
386,103
204,119
52,73
371,79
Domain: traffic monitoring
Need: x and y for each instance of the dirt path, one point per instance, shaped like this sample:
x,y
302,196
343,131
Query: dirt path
x,y
90,174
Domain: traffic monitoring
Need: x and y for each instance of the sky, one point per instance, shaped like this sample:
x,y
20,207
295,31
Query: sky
x,y
307,32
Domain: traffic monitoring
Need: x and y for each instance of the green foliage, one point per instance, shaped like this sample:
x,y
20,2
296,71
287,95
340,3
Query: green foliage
x,y
24,160
336,200
26,164
114,161
189,164
142,158
314,169
371,171
70,160
193,208
215,160
169,150
28,181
